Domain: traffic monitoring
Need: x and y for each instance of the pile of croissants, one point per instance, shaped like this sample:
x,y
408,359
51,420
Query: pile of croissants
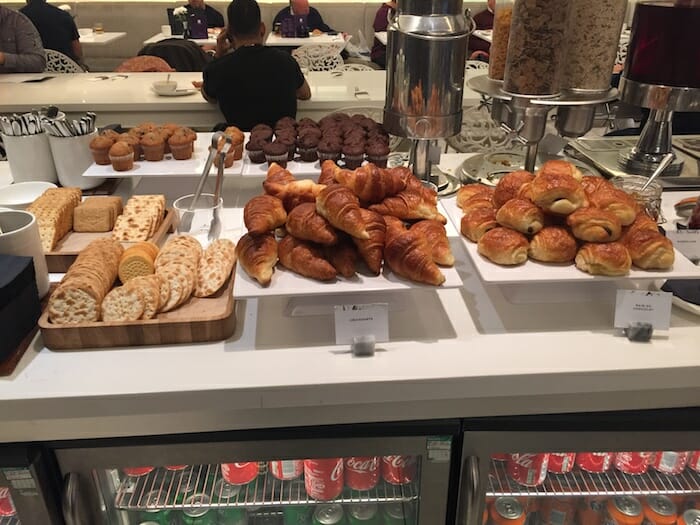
x,y
560,216
325,229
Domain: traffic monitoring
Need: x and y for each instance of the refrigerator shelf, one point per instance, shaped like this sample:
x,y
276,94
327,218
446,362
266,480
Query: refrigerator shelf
x,y
580,483
161,489
9,520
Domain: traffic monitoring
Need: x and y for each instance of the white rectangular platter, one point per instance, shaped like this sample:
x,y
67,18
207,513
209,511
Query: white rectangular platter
x,y
303,170
287,283
168,166
534,272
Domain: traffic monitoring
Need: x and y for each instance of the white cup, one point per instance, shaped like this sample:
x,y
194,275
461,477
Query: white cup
x,y
85,31
20,236
166,30
30,158
72,157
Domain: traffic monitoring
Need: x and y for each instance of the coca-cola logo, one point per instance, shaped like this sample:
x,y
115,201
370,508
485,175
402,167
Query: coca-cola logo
x,y
241,465
362,464
524,460
337,471
399,461
4,493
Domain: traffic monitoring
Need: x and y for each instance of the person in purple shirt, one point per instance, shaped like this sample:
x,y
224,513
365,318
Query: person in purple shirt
x,y
314,22
381,22
20,44
479,48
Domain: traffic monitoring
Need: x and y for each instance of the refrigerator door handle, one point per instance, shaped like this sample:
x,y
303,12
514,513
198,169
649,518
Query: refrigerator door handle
x,y
471,492
70,499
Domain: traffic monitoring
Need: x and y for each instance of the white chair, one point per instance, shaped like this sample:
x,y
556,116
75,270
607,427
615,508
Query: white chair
x,y
475,65
319,57
479,133
57,62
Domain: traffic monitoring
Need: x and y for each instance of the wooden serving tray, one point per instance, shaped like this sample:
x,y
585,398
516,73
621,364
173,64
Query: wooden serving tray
x,y
198,320
68,248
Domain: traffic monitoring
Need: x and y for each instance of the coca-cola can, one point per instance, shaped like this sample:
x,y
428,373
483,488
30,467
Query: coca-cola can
x,y
528,469
7,508
694,460
561,463
399,470
595,462
286,469
240,473
137,471
669,462
500,457
362,472
323,478
634,463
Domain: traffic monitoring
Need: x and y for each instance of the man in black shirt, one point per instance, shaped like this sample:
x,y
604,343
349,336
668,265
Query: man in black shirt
x,y
253,84
214,18
56,28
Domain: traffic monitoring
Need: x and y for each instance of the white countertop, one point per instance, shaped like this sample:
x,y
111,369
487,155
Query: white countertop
x,y
453,353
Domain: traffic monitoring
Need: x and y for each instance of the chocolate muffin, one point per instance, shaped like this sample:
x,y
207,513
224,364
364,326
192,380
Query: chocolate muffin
x,y
307,122
329,149
286,122
308,148
276,152
291,143
377,153
353,155
254,147
314,132
262,131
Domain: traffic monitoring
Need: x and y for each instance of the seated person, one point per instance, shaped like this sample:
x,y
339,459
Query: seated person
x,y
479,48
301,7
214,18
20,44
253,84
381,22
56,28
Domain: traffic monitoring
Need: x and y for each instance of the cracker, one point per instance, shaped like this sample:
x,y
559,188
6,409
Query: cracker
x,y
212,275
164,291
149,288
122,304
72,305
177,284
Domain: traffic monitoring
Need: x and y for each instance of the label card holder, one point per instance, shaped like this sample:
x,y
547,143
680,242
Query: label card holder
x,y
687,242
353,320
639,306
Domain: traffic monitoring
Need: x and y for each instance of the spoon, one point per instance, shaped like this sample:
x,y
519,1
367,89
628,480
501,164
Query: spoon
x,y
215,226
665,162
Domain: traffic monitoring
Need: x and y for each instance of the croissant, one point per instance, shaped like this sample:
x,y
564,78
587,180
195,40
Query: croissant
x,y
327,173
591,183
305,223
509,185
409,204
521,215
503,246
263,213
553,244
622,204
467,191
343,256
371,183
610,258
436,237
414,184
556,193
594,225
480,200
372,250
305,259
341,208
294,193
477,222
276,174
650,250
641,222
560,167
257,254
408,255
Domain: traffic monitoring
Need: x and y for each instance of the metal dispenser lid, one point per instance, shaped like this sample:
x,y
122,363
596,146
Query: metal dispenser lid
x,y
428,7
628,505
509,508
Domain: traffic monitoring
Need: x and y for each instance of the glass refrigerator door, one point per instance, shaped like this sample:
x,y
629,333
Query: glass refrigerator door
x,y
368,481
8,512
617,479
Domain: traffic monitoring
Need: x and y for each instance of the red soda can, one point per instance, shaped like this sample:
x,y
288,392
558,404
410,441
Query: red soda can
x,y
7,508
176,467
399,470
286,469
694,461
561,463
324,478
528,469
137,471
240,473
595,462
634,463
500,457
362,472
669,462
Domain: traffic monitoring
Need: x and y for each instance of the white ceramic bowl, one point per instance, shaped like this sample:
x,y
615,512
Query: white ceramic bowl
x,y
165,86
21,194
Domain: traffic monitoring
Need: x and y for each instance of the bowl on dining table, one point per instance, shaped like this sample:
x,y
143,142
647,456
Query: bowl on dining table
x,y
165,86
19,195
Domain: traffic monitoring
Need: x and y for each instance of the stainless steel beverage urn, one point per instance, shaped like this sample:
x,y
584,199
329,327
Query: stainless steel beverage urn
x,y
426,53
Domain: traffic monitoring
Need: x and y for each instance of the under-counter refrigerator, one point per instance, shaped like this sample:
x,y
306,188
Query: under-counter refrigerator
x,y
603,469
362,474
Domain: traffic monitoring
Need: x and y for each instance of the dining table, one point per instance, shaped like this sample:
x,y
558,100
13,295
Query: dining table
x,y
158,37
89,38
325,39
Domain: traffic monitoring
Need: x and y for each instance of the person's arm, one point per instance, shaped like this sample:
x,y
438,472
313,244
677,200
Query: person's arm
x,y
279,16
380,19
76,47
304,92
315,21
206,83
30,56
214,17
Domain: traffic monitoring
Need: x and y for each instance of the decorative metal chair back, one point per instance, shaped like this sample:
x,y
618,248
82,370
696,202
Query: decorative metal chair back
x,y
318,57
356,67
57,62
478,65
479,133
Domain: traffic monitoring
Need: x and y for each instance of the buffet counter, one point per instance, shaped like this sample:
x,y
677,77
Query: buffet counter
x,y
462,352
128,98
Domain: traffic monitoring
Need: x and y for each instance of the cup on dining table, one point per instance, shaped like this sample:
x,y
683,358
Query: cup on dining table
x,y
19,235
166,30
98,28
85,31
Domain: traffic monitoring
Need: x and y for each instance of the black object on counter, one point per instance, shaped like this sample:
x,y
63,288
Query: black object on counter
x,y
19,302
686,289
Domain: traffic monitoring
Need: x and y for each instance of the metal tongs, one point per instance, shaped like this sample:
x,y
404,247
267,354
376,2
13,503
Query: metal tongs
x,y
186,218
